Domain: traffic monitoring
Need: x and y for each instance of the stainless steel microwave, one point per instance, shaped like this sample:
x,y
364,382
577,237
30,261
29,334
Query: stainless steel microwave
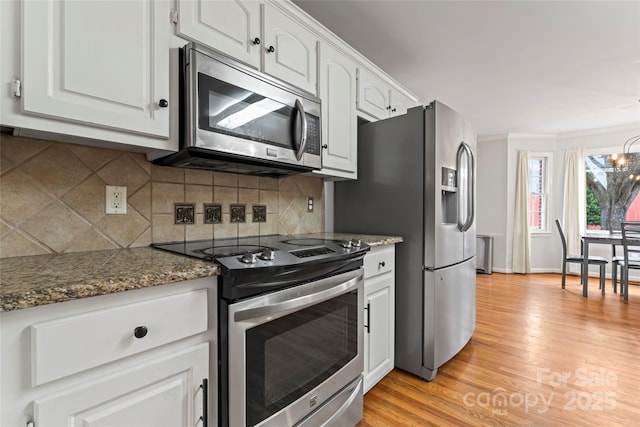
x,y
236,119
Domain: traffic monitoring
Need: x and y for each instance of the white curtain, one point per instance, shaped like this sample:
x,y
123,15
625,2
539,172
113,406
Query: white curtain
x,y
521,261
574,199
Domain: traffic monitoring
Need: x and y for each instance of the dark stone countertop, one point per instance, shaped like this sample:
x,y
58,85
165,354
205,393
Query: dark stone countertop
x,y
32,281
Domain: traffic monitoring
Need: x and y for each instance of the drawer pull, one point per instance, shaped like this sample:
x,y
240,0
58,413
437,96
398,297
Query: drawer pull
x,y
140,332
381,264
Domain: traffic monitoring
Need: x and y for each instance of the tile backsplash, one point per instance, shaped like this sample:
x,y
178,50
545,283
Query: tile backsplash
x,y
52,200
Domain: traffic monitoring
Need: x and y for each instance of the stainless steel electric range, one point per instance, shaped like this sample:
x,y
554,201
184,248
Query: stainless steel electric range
x,y
290,329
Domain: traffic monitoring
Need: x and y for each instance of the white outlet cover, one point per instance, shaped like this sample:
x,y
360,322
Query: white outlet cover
x,y
116,200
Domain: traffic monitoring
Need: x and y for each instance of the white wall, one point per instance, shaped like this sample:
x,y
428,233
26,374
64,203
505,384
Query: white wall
x,y
496,189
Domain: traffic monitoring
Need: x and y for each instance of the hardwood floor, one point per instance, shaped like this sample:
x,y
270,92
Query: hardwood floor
x,y
540,355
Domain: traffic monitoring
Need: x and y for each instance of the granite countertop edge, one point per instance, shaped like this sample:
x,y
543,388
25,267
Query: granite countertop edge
x,y
32,281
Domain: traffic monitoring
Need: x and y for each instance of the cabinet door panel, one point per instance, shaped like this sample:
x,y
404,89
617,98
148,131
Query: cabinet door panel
x,y
373,94
165,392
99,62
339,126
378,303
294,57
399,103
229,26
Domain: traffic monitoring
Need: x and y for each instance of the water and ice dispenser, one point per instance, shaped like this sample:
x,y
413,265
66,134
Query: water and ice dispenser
x,y
449,196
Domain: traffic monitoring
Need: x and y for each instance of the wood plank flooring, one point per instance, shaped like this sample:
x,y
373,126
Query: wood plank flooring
x,y
540,356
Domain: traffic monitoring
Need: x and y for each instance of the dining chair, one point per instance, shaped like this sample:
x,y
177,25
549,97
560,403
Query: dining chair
x,y
631,254
616,264
579,259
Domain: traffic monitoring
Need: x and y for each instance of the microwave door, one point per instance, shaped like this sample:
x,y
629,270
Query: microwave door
x,y
303,133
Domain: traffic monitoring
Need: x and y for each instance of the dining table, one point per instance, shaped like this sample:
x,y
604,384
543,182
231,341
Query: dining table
x,y
596,237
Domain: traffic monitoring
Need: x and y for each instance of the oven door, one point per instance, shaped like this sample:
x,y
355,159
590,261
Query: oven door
x,y
296,353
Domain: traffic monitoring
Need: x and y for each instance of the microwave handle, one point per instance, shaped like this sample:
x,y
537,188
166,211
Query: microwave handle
x,y
303,137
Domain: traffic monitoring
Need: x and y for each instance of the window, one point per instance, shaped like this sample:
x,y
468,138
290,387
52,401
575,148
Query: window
x,y
538,193
612,190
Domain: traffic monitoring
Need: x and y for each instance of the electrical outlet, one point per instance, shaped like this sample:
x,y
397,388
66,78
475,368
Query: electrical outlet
x,y
310,204
116,200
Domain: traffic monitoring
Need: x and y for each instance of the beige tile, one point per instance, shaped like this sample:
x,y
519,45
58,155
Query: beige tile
x,y
141,201
225,179
56,227
196,176
16,243
143,240
248,181
93,157
141,160
226,229
269,198
57,169
163,229
6,164
88,199
123,229
4,228
198,194
91,240
288,221
124,171
18,149
249,228
268,183
199,230
21,196
269,227
248,197
225,196
164,196
167,174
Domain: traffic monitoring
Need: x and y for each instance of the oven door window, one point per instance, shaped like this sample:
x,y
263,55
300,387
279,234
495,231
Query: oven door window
x,y
231,110
291,355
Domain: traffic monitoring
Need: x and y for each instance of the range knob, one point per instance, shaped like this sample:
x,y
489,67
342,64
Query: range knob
x,y
356,243
267,255
346,244
248,258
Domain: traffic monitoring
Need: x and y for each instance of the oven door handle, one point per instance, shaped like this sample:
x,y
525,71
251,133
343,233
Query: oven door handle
x,y
322,290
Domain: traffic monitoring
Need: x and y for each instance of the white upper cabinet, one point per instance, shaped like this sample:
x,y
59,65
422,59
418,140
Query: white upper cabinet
x,y
103,63
378,98
339,120
289,49
232,26
373,94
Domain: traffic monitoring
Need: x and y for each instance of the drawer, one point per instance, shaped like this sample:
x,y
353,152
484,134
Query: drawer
x,y
72,344
380,260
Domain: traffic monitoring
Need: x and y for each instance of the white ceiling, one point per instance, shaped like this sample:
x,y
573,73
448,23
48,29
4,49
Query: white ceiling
x,y
508,66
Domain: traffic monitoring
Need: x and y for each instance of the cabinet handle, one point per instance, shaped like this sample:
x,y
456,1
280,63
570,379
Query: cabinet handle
x,y
140,332
393,110
256,41
163,103
325,146
388,107
368,308
271,49
381,264
205,400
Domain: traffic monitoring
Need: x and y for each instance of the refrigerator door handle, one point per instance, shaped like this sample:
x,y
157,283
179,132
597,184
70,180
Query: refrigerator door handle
x,y
464,149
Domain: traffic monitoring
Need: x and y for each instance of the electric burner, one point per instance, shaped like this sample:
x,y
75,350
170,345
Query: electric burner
x,y
230,250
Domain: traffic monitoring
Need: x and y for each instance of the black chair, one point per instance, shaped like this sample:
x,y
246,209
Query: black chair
x,y
579,259
631,251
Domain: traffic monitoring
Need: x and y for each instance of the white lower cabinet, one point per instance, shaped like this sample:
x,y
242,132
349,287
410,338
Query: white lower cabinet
x,y
379,303
165,392
136,358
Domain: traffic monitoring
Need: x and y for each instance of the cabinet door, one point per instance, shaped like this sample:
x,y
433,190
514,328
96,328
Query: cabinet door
x,y
289,50
373,94
98,62
339,121
379,336
229,26
165,392
399,103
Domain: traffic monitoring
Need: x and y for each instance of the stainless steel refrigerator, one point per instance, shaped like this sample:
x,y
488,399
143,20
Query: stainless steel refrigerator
x,y
416,179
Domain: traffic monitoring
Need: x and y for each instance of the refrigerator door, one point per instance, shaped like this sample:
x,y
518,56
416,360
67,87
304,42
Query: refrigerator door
x,y
444,131
450,312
